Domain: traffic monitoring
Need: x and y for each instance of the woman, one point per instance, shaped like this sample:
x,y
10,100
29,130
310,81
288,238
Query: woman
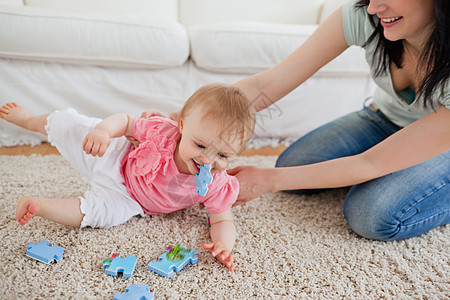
x,y
395,152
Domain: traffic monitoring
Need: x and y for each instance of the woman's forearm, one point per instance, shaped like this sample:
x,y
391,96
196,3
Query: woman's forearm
x,y
335,173
418,142
269,86
423,139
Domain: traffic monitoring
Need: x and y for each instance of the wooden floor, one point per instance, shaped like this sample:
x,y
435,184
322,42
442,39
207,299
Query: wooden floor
x,y
46,148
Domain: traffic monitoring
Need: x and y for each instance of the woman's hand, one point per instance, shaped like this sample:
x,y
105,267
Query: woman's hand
x,y
253,182
145,115
153,113
156,113
219,251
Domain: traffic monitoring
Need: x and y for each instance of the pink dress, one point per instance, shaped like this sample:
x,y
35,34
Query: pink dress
x,y
152,178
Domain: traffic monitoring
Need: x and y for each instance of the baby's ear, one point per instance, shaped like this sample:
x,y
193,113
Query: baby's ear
x,y
180,126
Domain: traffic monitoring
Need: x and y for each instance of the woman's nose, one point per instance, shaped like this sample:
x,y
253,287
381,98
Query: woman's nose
x,y
376,6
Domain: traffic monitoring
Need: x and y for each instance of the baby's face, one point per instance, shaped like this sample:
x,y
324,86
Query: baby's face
x,y
204,143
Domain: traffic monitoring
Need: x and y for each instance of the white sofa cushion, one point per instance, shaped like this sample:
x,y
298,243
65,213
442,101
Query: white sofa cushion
x,y
166,8
244,47
194,12
90,38
248,47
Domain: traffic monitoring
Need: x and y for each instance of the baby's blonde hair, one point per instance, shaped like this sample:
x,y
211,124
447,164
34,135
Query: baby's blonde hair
x,y
228,107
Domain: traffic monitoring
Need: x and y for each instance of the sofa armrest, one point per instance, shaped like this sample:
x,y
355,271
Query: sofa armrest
x,y
91,39
12,2
149,8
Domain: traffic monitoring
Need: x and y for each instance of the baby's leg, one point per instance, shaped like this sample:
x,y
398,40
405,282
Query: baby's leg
x,y
62,211
16,114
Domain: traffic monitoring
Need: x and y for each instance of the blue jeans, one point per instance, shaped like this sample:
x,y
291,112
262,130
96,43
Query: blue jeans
x,y
397,206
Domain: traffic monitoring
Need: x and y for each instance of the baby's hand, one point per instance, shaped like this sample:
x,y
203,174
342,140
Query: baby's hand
x,y
96,142
218,251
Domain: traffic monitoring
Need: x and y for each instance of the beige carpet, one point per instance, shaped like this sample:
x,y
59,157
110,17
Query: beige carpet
x,y
288,247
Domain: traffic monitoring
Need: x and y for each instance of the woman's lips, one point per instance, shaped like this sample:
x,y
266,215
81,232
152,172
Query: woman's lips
x,y
387,22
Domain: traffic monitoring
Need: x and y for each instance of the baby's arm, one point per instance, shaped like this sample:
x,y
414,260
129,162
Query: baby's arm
x,y
97,140
223,235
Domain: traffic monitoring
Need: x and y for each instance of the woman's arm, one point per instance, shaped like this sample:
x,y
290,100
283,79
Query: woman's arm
x,y
97,140
223,235
326,43
422,140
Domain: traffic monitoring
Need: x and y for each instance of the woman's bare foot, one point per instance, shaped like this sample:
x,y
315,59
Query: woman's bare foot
x,y
27,208
14,113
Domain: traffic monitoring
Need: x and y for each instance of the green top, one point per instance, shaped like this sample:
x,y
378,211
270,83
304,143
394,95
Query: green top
x,y
407,95
401,107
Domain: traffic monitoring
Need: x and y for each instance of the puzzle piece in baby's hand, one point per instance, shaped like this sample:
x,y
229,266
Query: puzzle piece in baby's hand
x,y
173,260
45,253
117,264
202,179
135,292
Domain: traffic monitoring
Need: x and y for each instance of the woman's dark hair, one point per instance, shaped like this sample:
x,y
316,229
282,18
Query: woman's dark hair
x,y
434,60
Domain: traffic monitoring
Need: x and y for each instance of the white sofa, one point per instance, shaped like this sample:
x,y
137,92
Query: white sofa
x,y
108,56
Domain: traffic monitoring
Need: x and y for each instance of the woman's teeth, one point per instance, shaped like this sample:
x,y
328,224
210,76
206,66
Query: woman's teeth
x,y
390,20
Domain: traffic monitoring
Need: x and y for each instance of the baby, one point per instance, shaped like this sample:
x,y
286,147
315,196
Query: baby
x,y
155,178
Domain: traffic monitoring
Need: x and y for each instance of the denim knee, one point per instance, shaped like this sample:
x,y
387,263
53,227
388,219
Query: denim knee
x,y
366,219
375,213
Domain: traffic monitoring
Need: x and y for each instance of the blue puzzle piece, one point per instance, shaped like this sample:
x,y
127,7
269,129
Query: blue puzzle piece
x,y
45,253
169,263
135,292
117,264
202,179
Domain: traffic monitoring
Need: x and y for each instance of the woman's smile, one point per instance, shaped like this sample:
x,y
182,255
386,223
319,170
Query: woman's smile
x,y
387,22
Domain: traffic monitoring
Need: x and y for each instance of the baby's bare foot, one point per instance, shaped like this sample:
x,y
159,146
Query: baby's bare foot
x,y
14,113
27,207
